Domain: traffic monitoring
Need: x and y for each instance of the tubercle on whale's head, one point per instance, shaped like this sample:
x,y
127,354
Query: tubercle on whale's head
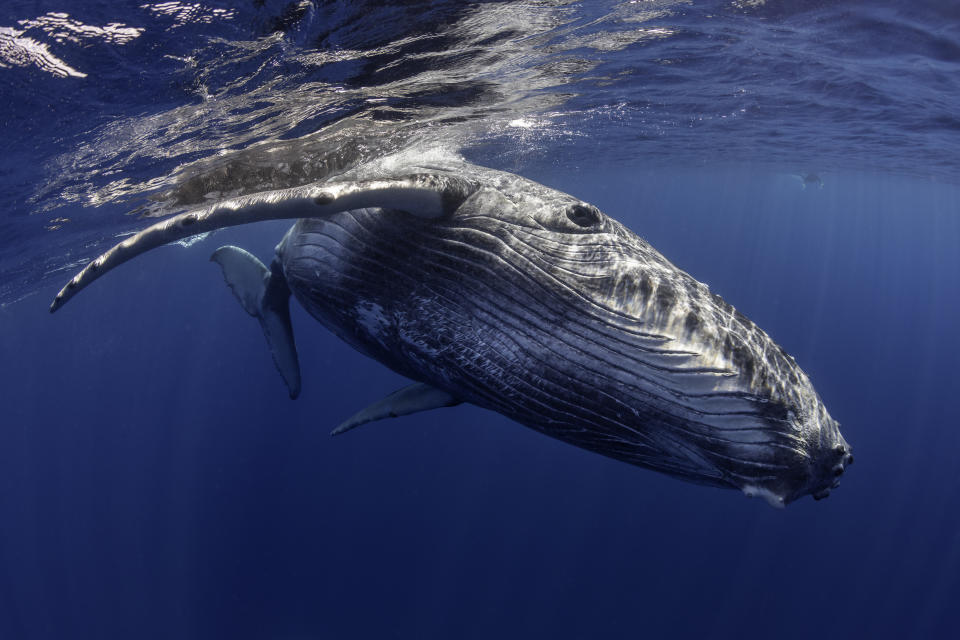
x,y
828,457
831,455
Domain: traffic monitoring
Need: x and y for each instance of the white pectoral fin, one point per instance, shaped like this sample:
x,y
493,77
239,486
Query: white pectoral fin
x,y
411,399
264,294
424,195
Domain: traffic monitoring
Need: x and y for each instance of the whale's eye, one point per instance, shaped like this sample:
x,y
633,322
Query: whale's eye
x,y
583,215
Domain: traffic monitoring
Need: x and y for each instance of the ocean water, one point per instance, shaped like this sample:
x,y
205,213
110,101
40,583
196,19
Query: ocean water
x,y
802,158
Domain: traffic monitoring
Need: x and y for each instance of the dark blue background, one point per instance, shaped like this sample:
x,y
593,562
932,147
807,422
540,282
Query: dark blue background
x,y
156,482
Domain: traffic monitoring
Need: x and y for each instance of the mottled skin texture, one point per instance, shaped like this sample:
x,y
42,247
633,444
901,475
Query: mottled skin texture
x,y
526,301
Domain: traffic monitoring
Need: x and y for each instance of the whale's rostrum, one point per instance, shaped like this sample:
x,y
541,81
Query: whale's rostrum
x,y
484,287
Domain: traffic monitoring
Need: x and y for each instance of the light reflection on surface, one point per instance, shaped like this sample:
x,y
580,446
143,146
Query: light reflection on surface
x,y
189,13
62,28
19,47
268,113
19,51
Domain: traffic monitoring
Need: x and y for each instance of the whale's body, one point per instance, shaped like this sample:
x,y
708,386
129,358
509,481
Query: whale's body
x,y
487,288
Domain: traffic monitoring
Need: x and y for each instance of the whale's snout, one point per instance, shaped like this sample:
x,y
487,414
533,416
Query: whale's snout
x,y
825,460
832,469
831,457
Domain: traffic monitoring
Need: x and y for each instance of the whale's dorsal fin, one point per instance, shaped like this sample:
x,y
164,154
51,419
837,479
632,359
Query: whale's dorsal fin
x,y
422,194
411,399
264,294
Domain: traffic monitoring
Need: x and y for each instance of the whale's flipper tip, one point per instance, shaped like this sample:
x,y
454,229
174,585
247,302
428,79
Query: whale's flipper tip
x,y
264,294
245,275
411,399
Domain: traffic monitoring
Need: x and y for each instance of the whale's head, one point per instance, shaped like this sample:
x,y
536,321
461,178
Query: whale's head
x,y
696,389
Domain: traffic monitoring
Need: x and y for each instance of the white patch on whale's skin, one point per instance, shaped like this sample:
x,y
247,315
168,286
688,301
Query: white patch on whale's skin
x,y
772,499
372,318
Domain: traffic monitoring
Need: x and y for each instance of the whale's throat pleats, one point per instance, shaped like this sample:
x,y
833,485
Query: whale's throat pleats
x,y
556,329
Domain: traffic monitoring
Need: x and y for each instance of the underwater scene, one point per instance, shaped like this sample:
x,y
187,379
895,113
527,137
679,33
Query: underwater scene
x,y
498,319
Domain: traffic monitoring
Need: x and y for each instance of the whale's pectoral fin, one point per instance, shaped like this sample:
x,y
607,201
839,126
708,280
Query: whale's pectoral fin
x,y
411,399
423,195
264,294
246,276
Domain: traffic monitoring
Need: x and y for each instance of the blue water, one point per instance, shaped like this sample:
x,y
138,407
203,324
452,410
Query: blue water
x,y
156,481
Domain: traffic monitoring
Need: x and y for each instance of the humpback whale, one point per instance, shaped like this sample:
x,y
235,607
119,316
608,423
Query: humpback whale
x,y
483,287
